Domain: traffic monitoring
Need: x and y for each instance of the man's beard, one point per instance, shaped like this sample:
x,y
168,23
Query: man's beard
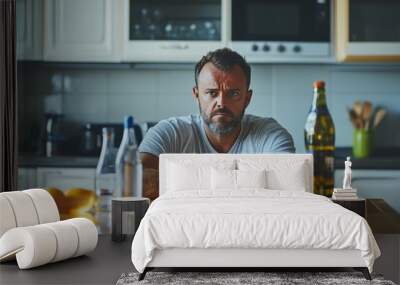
x,y
225,129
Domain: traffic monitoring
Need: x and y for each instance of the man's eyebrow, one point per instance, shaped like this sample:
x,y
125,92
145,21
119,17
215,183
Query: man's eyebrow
x,y
234,90
230,89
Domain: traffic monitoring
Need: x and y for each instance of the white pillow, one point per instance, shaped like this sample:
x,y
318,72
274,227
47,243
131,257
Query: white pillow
x,y
251,178
237,179
282,174
182,177
295,179
188,175
223,179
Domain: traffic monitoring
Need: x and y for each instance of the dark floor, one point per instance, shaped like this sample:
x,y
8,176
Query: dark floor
x,y
102,266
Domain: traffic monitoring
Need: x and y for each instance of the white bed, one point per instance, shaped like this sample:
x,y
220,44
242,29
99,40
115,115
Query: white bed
x,y
203,220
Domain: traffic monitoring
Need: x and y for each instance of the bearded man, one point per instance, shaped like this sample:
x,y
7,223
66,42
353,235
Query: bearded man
x,y
222,92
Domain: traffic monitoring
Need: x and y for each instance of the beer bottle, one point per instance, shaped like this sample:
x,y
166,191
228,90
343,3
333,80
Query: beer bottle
x,y
319,136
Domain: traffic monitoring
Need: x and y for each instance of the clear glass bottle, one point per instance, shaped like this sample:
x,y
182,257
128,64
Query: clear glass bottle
x,y
105,181
129,170
133,173
319,136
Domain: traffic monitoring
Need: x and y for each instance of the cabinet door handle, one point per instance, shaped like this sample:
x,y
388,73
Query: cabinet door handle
x,y
176,46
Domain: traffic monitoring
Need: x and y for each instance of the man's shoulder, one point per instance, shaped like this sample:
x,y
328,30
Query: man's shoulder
x,y
263,124
180,122
178,125
269,134
169,135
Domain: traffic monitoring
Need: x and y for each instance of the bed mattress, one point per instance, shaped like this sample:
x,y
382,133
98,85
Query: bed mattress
x,y
250,219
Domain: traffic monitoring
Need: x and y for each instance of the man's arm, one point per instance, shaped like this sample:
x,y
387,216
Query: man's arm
x,y
150,175
162,138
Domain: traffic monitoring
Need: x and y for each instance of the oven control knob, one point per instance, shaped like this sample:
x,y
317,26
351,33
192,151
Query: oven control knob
x,y
266,48
297,48
254,47
281,48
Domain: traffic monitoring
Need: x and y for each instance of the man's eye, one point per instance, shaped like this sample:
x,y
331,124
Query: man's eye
x,y
212,93
234,94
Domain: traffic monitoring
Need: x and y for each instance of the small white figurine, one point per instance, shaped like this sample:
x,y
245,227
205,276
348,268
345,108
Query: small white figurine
x,y
347,174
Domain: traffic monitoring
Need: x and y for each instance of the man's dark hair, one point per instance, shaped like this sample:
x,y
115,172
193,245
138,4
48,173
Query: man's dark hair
x,y
224,59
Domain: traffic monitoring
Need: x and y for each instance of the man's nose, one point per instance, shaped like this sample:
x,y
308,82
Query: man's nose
x,y
221,100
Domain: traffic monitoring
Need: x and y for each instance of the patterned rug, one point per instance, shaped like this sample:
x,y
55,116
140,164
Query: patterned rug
x,y
243,278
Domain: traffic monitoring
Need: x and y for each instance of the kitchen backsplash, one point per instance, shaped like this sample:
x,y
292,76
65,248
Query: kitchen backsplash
x,y
152,93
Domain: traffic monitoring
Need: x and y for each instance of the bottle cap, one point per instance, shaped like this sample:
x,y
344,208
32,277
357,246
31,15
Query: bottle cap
x,y
320,84
128,122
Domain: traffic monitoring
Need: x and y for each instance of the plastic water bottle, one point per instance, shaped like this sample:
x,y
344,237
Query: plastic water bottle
x,y
129,170
105,181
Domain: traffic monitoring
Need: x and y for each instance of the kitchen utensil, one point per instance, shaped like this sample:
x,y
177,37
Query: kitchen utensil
x,y
379,115
355,120
357,107
366,113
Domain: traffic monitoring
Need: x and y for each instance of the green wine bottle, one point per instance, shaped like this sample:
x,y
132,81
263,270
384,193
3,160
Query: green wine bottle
x,y
319,136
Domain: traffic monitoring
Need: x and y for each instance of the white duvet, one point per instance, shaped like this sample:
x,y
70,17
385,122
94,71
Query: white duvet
x,y
253,218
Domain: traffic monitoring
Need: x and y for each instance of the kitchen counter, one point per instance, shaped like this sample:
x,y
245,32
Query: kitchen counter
x,y
385,158
57,161
381,159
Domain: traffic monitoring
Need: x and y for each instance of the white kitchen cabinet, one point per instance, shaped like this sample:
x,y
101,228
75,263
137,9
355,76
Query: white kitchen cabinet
x,y
367,30
26,178
84,30
374,183
66,178
29,22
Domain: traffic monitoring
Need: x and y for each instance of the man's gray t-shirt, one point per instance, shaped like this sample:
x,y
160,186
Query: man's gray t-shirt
x,y
187,135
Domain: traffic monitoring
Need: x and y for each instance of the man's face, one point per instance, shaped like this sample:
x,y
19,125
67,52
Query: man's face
x,y
223,97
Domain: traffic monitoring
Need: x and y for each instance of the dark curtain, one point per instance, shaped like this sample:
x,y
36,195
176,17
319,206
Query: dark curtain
x,y
8,97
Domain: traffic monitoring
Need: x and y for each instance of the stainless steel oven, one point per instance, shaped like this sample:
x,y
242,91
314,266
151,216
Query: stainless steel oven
x,y
278,29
